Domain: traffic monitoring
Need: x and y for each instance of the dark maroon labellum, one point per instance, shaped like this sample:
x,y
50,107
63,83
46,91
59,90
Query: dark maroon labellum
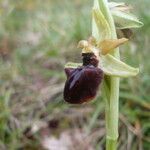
x,y
83,82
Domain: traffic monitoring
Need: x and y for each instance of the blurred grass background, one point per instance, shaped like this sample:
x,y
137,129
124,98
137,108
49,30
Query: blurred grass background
x,y
36,39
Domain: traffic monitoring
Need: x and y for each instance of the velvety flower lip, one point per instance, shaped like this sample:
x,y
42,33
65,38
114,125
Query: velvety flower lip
x,y
82,84
68,71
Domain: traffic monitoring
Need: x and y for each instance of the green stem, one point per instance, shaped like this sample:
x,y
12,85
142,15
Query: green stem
x,y
112,104
111,144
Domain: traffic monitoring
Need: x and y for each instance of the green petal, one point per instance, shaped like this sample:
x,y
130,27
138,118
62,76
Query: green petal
x,y
114,67
125,20
100,26
73,65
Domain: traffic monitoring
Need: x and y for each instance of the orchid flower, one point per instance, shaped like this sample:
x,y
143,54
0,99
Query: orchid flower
x,y
101,61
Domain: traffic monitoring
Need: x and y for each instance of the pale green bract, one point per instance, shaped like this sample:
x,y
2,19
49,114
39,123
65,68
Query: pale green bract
x,y
95,31
125,20
100,21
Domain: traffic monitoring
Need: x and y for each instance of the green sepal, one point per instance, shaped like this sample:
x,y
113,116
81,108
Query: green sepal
x,y
124,20
114,67
95,31
73,65
100,26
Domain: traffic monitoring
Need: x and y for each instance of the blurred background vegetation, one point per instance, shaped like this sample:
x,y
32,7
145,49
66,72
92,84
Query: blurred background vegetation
x,y
36,39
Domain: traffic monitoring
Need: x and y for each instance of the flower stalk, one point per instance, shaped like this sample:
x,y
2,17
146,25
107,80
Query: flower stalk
x,y
112,103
